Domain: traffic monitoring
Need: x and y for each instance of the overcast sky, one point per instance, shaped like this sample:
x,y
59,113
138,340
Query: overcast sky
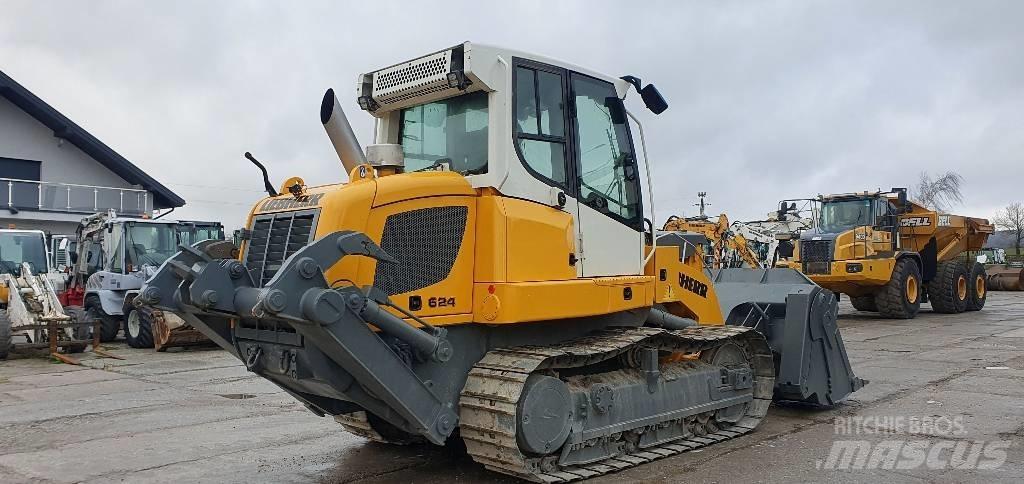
x,y
768,100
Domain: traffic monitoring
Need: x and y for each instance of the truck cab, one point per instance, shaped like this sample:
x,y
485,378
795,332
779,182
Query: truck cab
x,y
851,230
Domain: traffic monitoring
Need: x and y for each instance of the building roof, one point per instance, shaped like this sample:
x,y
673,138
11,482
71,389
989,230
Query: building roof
x,y
66,129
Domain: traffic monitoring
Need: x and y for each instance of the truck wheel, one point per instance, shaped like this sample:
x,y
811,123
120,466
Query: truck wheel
x,y
109,325
138,328
864,303
949,291
900,298
5,334
977,287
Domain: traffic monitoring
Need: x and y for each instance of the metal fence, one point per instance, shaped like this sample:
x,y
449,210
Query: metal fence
x,y
72,198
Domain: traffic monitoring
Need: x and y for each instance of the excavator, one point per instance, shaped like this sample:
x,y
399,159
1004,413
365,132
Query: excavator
x,y
725,244
487,275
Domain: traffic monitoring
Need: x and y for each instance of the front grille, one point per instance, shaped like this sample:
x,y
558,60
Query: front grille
x,y
816,250
275,237
817,267
425,242
816,256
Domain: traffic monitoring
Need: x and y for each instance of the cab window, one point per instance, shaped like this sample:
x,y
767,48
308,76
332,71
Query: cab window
x,y
608,176
451,131
540,123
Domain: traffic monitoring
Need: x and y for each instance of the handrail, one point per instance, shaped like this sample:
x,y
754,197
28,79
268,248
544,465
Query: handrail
x,y
650,190
73,197
39,182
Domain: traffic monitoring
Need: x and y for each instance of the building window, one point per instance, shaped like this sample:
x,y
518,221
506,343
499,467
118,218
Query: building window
x,y
15,187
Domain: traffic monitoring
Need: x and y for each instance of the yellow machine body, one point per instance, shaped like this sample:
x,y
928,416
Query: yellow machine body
x,y
487,263
513,265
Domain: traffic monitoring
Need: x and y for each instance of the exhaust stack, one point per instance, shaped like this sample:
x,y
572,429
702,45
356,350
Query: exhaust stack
x,y
340,132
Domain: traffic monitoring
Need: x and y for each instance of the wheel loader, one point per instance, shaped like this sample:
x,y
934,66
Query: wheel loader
x,y
487,274
114,257
889,254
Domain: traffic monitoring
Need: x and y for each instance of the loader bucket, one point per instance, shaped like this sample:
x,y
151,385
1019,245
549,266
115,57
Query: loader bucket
x,y
798,318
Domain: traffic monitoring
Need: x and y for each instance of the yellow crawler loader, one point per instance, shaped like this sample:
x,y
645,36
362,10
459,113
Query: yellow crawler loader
x,y
889,254
486,275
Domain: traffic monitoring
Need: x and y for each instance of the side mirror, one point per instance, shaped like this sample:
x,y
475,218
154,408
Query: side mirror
x,y
653,99
63,244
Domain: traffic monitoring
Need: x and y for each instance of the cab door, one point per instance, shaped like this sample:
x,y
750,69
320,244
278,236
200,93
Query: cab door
x,y
542,137
607,180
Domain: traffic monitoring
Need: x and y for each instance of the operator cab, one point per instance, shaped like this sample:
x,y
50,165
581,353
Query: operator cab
x,y
23,246
529,127
129,245
840,213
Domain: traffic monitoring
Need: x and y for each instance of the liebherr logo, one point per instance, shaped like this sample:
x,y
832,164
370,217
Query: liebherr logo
x,y
693,285
290,203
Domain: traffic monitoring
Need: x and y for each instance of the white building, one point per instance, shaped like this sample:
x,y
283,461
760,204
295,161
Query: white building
x,y
52,172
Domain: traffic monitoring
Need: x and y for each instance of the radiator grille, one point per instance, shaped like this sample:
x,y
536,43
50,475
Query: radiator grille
x,y
275,237
425,242
816,256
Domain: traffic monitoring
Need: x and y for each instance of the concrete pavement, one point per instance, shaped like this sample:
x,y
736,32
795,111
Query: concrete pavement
x,y
197,416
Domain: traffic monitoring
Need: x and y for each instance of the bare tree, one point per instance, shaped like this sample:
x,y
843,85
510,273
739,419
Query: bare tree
x,y
938,193
1012,219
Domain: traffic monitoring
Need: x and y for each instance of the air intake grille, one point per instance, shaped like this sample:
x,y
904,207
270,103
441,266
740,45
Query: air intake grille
x,y
816,256
425,242
275,237
413,78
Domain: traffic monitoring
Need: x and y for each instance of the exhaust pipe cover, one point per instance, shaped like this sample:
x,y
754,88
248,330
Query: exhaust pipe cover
x,y
340,132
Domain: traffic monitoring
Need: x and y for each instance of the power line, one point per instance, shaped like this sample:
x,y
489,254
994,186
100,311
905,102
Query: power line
x,y
212,187
218,202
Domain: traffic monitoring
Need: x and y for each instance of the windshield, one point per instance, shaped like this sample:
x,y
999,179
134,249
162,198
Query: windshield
x,y
190,234
18,247
839,216
150,244
452,131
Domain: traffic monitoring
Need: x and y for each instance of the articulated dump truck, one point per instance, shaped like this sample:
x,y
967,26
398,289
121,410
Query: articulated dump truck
x,y
485,275
889,254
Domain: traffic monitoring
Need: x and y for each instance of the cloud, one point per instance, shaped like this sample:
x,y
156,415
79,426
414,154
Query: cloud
x,y
769,100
